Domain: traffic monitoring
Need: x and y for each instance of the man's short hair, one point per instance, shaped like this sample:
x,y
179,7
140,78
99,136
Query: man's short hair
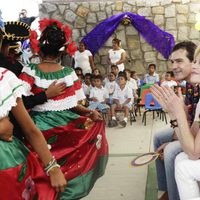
x,y
188,46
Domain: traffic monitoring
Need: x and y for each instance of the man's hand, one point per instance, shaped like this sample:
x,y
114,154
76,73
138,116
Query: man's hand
x,y
96,116
55,89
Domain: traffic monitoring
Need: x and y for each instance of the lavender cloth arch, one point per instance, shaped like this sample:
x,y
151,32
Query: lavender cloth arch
x,y
162,41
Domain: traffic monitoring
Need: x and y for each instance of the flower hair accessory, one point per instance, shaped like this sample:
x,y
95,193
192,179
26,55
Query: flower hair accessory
x,y
43,24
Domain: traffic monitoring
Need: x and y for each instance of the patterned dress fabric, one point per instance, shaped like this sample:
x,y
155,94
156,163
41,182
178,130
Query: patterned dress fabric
x,y
78,143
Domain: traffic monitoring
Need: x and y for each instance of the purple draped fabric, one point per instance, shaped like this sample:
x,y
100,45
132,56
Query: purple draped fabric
x,y
162,41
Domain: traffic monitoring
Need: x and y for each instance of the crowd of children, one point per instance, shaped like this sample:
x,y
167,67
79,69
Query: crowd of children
x,y
118,91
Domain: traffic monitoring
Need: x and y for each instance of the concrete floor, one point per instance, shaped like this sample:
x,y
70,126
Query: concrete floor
x,y
121,180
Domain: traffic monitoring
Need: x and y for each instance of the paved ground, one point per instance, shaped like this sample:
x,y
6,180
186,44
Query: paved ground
x,y
122,181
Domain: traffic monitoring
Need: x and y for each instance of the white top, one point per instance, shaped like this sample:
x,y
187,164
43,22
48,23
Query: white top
x,y
10,89
101,94
86,88
151,79
82,60
115,56
169,83
123,95
197,113
110,86
132,84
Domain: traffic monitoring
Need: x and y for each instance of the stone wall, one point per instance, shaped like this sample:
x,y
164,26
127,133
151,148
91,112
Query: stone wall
x,y
174,16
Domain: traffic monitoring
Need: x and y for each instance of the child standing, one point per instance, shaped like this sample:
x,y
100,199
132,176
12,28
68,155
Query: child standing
x,y
122,99
110,86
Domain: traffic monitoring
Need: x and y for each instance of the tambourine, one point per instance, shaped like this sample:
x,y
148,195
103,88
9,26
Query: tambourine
x,y
145,159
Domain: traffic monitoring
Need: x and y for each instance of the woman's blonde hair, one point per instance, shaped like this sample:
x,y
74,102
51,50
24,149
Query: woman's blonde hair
x,y
197,52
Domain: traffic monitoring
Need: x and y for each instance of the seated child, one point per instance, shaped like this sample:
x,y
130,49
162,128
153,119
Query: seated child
x,y
168,80
110,85
122,99
135,77
86,85
79,73
132,84
99,97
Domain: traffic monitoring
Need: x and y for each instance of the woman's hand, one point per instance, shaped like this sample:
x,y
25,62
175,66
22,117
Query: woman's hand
x,y
57,179
96,116
6,129
168,99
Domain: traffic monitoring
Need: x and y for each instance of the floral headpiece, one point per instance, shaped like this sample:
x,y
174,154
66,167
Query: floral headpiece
x,y
35,43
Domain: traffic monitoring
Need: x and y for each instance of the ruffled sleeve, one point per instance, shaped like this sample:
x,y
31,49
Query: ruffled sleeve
x,y
10,89
27,77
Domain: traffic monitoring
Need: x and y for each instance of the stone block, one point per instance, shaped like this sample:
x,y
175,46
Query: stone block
x,y
191,18
194,34
50,7
139,67
145,11
75,34
96,58
104,60
109,41
159,20
162,66
101,16
150,56
103,51
165,2
118,5
70,16
127,7
133,42
176,1
170,11
195,8
89,28
182,9
174,33
102,6
136,54
181,19
73,6
171,24
109,10
94,6
153,3
146,47
158,10
130,30
82,11
122,36
61,9
141,2
160,56
185,1
92,18
80,22
85,4
183,33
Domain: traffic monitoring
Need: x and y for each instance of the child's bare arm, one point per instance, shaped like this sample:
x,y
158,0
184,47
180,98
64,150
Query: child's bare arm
x,y
6,129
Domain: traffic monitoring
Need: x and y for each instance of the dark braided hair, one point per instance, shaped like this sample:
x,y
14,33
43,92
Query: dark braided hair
x,y
52,40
